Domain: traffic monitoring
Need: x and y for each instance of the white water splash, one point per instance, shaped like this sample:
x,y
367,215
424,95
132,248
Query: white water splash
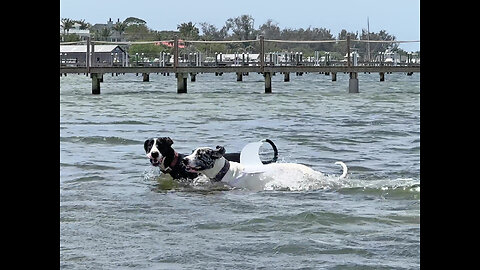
x,y
151,173
304,181
295,181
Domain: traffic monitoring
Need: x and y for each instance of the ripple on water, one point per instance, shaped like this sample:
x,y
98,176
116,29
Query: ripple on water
x,y
117,211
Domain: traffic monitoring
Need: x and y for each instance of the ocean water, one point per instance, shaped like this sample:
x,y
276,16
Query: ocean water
x,y
119,212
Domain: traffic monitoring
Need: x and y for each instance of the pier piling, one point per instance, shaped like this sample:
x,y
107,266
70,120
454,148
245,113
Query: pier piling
x,y
353,83
268,82
239,76
181,82
96,79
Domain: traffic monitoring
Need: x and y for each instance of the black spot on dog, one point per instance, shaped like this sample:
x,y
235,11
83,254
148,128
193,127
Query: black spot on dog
x,y
205,157
148,144
165,141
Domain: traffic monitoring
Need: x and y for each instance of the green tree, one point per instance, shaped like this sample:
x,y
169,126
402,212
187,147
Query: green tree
x,y
83,25
71,37
164,35
211,32
137,32
67,24
132,20
188,31
242,27
341,47
105,33
375,48
270,30
120,27
150,51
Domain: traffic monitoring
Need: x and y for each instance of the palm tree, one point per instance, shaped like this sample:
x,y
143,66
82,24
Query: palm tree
x,y
67,24
83,25
120,28
105,33
188,30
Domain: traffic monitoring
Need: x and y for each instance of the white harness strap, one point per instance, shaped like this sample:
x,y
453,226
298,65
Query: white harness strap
x,y
169,168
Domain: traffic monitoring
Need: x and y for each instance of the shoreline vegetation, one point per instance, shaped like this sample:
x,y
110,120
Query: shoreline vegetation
x,y
234,29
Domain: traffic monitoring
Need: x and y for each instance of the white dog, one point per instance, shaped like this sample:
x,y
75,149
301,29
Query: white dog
x,y
250,173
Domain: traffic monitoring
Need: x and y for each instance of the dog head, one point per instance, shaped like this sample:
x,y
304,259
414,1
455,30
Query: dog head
x,y
157,148
203,158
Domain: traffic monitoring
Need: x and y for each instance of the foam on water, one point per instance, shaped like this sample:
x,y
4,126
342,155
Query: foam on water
x,y
315,180
293,180
303,181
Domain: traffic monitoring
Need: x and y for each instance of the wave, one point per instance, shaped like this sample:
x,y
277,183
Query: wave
x,y
87,166
100,140
124,122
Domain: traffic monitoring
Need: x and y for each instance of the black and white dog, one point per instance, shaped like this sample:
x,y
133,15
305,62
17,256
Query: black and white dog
x,y
161,154
213,164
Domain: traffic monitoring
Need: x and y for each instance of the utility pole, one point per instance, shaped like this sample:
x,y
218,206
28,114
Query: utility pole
x,y
368,38
348,50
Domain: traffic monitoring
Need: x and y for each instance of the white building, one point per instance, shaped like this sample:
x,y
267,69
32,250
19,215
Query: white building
x,y
82,33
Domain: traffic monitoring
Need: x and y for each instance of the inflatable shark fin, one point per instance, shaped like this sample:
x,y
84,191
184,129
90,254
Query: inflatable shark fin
x,y
250,158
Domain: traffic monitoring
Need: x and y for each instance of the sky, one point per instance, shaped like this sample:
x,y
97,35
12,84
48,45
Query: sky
x,y
398,18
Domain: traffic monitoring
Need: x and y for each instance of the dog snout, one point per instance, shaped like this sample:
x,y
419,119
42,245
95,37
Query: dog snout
x,y
185,161
155,154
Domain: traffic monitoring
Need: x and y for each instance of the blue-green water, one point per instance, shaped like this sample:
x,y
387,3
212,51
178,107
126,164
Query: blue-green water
x,y
117,213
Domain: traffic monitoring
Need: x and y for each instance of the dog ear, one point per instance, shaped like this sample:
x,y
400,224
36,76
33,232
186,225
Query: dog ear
x,y
167,140
145,144
218,152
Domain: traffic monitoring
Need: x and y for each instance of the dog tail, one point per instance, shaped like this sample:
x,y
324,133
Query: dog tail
x,y
344,167
275,152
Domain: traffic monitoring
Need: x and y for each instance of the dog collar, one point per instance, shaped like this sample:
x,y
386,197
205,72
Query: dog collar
x,y
222,172
174,162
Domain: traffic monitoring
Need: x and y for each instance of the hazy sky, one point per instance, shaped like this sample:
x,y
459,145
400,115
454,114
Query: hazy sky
x,y
398,18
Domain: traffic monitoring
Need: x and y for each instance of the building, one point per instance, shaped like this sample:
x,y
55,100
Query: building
x,y
100,55
83,34
114,36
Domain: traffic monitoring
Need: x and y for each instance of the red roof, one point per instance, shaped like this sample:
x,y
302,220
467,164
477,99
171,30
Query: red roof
x,y
181,44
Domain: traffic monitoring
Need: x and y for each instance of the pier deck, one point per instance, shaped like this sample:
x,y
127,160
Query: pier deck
x,y
235,69
182,73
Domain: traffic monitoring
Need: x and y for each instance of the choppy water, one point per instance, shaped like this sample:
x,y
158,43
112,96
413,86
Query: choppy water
x,y
117,212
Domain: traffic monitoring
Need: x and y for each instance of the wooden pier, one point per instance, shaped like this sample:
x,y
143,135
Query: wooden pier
x,y
183,70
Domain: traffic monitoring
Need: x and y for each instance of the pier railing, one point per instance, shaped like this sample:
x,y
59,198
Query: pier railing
x,y
241,56
183,61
